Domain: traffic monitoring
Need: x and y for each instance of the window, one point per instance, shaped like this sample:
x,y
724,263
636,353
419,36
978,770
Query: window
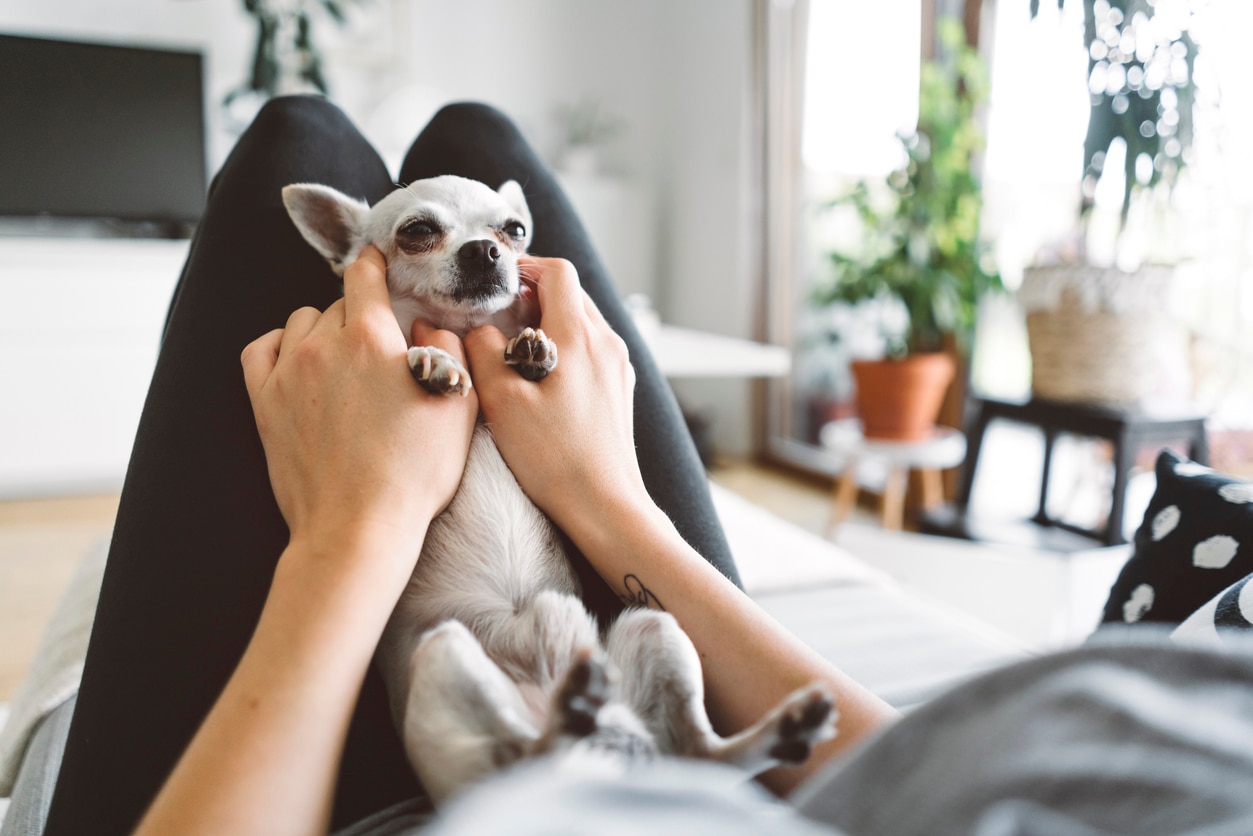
x,y
848,82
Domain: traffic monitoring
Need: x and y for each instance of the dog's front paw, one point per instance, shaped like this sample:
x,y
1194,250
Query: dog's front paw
x,y
807,717
532,354
438,371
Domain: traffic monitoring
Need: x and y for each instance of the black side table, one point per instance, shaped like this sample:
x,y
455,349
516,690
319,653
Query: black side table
x,y
1128,429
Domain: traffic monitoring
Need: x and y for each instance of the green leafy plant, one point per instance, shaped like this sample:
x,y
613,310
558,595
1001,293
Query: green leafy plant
x,y
921,246
277,20
587,123
1141,60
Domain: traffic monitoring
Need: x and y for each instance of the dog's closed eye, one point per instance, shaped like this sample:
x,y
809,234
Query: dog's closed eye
x,y
419,235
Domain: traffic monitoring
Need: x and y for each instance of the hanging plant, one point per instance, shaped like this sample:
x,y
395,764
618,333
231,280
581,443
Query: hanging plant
x,y
286,58
1141,63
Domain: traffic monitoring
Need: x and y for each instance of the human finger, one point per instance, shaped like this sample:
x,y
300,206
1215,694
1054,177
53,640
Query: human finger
x,y
365,284
258,359
299,324
333,317
423,333
593,312
484,350
558,290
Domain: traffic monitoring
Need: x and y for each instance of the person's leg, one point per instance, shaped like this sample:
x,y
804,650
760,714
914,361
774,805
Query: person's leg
x,y
479,142
198,533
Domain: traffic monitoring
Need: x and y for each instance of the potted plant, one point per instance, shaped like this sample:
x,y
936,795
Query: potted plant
x,y
1094,312
921,249
286,58
587,127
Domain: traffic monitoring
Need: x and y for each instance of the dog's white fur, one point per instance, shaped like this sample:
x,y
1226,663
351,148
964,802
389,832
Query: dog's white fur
x,y
490,655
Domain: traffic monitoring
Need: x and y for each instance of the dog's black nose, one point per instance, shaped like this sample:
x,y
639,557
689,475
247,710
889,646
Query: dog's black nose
x,y
481,253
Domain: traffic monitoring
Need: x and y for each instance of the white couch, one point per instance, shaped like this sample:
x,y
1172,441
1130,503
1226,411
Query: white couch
x,y
901,646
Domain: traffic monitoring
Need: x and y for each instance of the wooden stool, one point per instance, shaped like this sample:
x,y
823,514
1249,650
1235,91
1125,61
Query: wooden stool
x,y
945,448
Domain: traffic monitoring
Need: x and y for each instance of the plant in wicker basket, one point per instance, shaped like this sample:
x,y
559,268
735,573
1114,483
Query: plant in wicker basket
x,y
1090,323
923,249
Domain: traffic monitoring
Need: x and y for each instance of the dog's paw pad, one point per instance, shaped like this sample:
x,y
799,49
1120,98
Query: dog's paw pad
x,y
808,718
438,371
532,354
586,689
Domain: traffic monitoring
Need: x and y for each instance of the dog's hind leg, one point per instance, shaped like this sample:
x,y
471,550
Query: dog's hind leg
x,y
662,682
463,717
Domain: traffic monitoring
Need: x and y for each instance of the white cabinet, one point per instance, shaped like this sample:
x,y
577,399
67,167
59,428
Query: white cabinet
x,y
80,326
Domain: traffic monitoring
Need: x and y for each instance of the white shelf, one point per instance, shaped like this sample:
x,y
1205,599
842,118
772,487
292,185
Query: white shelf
x,y
684,353
79,332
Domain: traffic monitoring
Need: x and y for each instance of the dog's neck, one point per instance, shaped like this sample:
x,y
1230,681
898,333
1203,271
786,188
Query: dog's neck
x,y
523,313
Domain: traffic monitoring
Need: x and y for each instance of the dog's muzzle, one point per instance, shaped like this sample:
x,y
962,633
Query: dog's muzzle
x,y
480,273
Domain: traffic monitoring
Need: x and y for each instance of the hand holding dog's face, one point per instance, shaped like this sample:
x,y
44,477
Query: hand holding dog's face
x,y
586,403
349,440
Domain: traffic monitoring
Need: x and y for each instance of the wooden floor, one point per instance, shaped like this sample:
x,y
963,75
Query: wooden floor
x,y
42,543
799,499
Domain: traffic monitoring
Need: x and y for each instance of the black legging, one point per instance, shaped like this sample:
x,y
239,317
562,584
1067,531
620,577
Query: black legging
x,y
198,533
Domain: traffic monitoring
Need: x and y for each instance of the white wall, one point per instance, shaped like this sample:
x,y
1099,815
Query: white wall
x,y
709,242
676,72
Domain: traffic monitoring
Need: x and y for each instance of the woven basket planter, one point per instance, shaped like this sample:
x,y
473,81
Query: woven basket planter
x,y
1094,332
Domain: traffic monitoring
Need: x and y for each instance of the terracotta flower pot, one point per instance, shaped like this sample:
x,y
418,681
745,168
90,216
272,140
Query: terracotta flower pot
x,y
900,399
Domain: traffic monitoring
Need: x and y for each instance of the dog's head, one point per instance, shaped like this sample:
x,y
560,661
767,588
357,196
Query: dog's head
x,y
451,244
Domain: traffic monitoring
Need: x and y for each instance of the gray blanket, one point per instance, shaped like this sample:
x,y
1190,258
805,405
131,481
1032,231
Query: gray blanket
x,y
1127,735
1131,735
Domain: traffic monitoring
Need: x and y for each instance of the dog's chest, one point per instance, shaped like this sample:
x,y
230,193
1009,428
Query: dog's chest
x,y
491,552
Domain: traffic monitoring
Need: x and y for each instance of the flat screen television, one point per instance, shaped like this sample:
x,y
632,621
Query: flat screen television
x,y
96,131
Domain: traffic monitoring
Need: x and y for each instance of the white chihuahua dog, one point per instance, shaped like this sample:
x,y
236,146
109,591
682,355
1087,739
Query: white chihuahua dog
x,y
490,655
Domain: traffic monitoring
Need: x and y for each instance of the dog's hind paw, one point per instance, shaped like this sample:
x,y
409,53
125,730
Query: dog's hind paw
x,y
586,689
807,717
438,371
532,354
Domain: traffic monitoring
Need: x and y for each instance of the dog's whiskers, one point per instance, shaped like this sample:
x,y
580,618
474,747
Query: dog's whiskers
x,y
407,187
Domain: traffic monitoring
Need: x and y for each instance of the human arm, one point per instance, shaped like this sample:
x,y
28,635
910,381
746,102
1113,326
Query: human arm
x,y
589,483
360,459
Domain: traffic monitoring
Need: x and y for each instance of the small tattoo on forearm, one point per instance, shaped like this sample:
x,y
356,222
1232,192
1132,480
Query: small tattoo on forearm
x,y
638,595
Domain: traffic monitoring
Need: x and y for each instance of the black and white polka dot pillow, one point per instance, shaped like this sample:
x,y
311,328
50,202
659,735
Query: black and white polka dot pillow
x,y
1229,611
1195,542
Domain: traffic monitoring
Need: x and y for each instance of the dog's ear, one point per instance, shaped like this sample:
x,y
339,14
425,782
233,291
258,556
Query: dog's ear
x,y
512,193
328,219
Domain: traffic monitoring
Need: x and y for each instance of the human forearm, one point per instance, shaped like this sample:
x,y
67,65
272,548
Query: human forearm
x,y
266,757
361,459
750,662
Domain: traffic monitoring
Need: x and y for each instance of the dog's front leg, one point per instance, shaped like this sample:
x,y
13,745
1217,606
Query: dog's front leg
x,y
463,718
438,371
532,354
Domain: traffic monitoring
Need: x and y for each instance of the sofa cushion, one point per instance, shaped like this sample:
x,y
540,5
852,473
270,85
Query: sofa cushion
x,y
1196,540
1227,613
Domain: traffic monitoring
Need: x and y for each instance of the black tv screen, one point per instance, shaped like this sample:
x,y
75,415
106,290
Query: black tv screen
x,y
100,131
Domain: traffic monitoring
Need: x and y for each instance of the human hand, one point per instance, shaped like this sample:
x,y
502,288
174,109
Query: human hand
x,y
355,448
568,438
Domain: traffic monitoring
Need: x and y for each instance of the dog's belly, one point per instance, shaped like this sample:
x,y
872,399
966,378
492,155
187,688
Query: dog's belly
x,y
485,562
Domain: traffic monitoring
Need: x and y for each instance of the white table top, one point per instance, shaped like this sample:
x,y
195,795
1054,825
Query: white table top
x,y
682,352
